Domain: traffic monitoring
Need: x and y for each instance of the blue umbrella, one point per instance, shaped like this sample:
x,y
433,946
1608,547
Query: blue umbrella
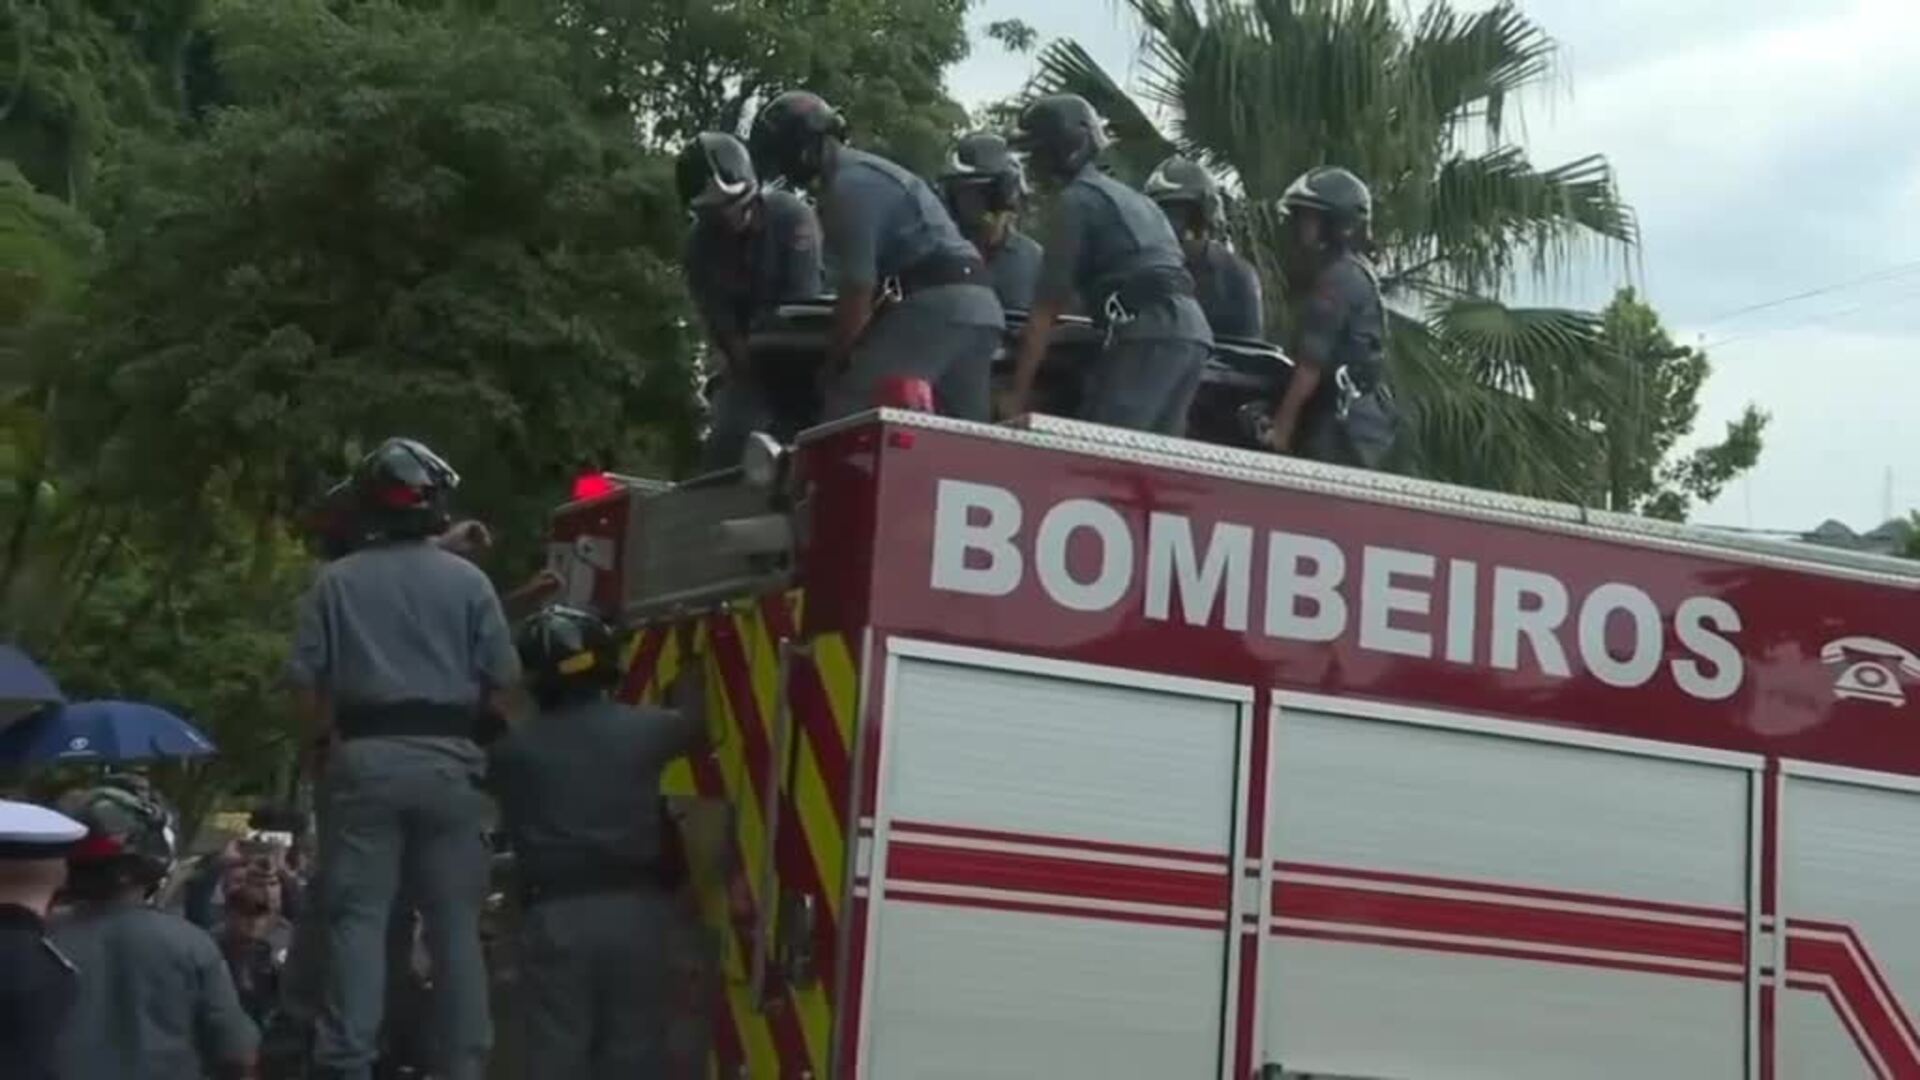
x,y
101,731
24,687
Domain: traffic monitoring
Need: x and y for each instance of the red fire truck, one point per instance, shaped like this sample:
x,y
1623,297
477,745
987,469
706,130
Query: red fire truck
x,y
1051,751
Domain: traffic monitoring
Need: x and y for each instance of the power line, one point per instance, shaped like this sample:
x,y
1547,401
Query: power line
x,y
1898,270
1818,320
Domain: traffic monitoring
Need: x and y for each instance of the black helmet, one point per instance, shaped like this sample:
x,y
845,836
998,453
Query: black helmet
x,y
790,134
130,831
1061,133
563,648
1336,194
333,523
403,488
984,160
714,170
1177,181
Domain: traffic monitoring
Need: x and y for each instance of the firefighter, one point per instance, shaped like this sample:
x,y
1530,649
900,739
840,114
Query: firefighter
x,y
984,187
38,984
749,249
579,800
1111,244
156,998
913,296
1225,284
1337,406
400,650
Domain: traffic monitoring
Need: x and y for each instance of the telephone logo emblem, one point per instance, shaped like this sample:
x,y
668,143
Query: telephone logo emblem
x,y
1869,669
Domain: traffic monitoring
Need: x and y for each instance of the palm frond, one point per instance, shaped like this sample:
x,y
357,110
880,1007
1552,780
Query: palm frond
x,y
1549,355
1464,428
1066,68
1483,215
1475,62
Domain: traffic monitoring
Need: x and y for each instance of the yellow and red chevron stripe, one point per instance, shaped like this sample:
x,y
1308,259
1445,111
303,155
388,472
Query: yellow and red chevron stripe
x,y
738,649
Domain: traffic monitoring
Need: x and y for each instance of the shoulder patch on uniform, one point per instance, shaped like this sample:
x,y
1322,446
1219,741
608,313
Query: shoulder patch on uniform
x,y
60,957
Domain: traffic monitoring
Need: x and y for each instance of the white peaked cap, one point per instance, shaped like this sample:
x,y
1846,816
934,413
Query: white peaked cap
x,y
30,831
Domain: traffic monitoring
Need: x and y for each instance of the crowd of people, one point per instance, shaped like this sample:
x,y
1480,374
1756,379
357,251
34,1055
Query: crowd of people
x,y
262,962
924,276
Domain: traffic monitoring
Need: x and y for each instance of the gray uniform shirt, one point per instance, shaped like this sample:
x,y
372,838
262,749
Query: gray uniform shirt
x,y
1229,293
156,1001
579,787
882,220
1341,322
404,622
736,277
1104,233
1014,267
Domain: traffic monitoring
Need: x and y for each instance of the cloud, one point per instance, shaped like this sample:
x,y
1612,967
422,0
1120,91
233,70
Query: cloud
x,y
1839,426
1760,159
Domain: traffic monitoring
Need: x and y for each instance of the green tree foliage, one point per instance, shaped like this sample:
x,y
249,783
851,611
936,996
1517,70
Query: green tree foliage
x,y
404,223
46,249
202,637
1652,386
242,239
1420,107
673,68
77,75
1014,35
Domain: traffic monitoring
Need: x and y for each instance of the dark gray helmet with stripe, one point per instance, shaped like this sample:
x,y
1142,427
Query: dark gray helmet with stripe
x,y
714,171
1179,181
984,160
789,136
1060,134
1334,193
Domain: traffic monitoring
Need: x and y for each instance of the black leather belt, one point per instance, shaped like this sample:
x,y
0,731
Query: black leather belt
x,y
556,884
399,719
1145,288
1158,283
937,272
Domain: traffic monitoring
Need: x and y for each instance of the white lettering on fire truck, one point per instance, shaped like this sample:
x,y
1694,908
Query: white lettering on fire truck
x,y
1531,622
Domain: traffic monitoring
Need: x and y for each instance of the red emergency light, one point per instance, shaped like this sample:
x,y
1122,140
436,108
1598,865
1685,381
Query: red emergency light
x,y
593,485
904,392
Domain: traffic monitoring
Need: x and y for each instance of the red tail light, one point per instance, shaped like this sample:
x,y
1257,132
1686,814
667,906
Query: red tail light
x,y
593,485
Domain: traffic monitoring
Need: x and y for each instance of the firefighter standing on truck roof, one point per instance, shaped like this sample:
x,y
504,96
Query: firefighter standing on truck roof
x,y
1225,284
1115,247
984,187
38,984
579,799
913,295
750,249
1337,406
399,648
156,999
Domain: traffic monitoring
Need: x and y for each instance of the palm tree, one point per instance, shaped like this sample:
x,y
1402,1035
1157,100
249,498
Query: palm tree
x,y
1262,90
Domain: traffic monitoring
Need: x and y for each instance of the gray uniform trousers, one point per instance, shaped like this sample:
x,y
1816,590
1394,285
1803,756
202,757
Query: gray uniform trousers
x,y
593,979
738,409
934,335
394,812
1146,384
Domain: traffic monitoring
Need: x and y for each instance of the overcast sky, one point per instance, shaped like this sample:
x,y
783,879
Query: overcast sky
x,y
1770,148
